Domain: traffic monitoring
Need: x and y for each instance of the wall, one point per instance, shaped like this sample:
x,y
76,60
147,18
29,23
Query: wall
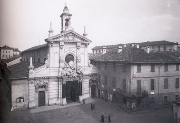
x,y
35,54
146,75
5,55
19,88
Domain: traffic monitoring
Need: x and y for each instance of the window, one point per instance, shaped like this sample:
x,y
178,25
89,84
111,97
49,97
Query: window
x,y
6,51
164,48
105,79
27,59
38,59
138,68
9,51
152,84
124,68
158,48
99,65
165,98
165,83
114,82
124,85
177,67
177,83
176,97
114,66
165,67
152,67
3,55
105,65
9,56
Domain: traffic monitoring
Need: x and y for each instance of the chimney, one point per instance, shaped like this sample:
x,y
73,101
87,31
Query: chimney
x,y
104,50
148,50
119,49
137,46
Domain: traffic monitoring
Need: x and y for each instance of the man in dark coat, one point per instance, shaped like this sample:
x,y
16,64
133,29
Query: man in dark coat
x,y
109,118
102,118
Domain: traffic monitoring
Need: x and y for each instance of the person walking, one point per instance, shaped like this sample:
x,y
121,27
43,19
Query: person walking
x,y
102,118
109,118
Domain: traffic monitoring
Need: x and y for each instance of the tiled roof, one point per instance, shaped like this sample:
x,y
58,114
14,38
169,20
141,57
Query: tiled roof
x,y
35,47
156,43
135,55
21,70
6,47
107,46
10,59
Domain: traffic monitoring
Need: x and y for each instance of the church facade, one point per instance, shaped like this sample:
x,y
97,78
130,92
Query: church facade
x,y
55,73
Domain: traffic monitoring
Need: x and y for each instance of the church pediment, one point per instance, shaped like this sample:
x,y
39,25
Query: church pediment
x,y
69,36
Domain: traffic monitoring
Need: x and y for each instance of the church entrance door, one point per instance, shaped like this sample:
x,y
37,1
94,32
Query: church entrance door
x,y
93,91
73,94
41,96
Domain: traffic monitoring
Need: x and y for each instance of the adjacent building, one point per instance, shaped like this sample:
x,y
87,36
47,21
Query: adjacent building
x,y
55,73
129,74
8,52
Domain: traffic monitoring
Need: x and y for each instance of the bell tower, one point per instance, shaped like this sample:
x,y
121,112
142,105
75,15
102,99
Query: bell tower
x,y
66,20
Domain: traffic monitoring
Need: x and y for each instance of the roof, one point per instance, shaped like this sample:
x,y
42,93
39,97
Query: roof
x,y
21,70
107,46
16,50
6,47
156,43
135,55
10,59
35,47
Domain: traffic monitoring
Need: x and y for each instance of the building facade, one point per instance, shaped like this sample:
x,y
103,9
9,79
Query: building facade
x,y
56,73
131,75
8,52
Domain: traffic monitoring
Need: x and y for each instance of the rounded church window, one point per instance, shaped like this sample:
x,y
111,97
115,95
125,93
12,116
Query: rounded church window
x,y
69,58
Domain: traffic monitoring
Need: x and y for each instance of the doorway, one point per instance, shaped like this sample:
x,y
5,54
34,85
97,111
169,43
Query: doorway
x,y
93,91
99,93
73,94
41,98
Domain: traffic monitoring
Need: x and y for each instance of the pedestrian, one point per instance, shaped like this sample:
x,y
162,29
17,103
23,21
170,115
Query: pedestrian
x,y
109,118
91,106
102,118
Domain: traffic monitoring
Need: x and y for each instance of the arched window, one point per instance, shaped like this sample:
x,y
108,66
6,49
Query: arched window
x,y
69,58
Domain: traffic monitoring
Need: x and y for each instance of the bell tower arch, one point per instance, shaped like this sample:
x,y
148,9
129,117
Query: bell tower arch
x,y
66,20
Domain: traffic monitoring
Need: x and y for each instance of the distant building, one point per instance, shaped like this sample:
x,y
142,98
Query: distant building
x,y
130,74
158,46
8,52
149,46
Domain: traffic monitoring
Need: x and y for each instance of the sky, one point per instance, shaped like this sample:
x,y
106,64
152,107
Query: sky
x,y
25,23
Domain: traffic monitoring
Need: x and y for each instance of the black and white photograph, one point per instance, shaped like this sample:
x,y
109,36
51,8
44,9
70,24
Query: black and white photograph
x,y
89,61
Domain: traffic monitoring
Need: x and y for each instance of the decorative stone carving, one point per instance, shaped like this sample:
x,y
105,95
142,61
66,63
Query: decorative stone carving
x,y
47,61
69,71
40,84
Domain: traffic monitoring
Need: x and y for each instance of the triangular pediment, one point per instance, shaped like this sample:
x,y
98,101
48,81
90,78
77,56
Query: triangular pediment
x,y
69,36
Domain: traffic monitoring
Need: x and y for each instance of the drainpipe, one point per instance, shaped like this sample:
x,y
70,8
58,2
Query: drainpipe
x,y
159,66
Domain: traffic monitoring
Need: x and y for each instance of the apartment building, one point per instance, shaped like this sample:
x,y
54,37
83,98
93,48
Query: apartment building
x,y
129,74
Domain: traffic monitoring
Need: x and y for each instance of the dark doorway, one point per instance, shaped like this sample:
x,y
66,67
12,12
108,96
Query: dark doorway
x,y
138,101
99,93
73,94
93,91
41,96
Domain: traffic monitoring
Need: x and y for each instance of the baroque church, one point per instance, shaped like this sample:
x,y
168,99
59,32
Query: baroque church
x,y
55,73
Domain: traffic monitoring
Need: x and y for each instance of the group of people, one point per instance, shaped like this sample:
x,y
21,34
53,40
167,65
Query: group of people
x,y
102,116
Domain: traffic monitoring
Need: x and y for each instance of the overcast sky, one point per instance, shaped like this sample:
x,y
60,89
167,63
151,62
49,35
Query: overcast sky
x,y
25,23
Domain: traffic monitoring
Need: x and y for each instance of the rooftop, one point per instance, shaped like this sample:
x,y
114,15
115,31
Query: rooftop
x,y
35,47
136,55
107,46
10,59
21,70
156,43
